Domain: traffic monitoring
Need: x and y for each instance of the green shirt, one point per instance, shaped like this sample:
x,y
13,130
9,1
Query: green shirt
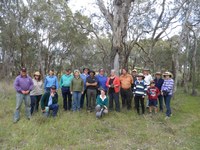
x,y
77,85
66,80
100,101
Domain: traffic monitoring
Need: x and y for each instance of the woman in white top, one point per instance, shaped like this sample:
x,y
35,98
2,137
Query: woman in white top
x,y
37,92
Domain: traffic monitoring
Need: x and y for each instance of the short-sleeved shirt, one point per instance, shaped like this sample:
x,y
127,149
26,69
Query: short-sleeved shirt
x,y
126,81
91,80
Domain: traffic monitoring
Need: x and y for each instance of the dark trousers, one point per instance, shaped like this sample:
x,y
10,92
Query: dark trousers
x,y
35,100
54,108
91,93
139,100
67,98
114,97
126,95
160,100
83,98
167,100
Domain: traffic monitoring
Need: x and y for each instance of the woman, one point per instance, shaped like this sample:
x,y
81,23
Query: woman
x,y
37,91
50,80
77,89
113,84
102,103
167,92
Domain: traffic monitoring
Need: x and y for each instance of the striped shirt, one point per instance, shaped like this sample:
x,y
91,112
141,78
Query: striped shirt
x,y
140,88
168,86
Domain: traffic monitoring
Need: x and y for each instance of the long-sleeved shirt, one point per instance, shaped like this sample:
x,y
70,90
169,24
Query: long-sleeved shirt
x,y
45,99
159,83
66,80
23,83
37,88
51,80
102,81
102,101
168,86
84,77
140,88
77,85
126,81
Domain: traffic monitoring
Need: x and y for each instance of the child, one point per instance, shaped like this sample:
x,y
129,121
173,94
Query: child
x,y
139,92
102,104
153,93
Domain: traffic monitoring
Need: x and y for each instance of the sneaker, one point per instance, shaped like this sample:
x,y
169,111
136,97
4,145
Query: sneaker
x,y
167,117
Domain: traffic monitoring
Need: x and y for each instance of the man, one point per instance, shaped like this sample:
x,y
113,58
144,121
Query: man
x,y
65,82
158,83
134,75
126,81
91,83
49,102
102,78
23,85
84,76
148,78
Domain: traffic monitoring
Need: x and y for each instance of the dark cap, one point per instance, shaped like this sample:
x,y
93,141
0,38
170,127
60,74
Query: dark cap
x,y
53,87
23,69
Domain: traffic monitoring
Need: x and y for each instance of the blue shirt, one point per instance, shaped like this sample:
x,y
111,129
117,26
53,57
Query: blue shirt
x,y
49,81
66,80
102,81
159,83
84,77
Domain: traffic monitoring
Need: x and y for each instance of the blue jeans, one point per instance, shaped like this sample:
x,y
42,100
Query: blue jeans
x,y
167,100
76,100
19,100
54,108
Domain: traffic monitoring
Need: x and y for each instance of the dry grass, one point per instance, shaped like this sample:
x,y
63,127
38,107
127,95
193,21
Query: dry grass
x,y
125,130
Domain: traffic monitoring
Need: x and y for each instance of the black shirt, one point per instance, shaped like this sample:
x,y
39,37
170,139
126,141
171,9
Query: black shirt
x,y
111,89
91,80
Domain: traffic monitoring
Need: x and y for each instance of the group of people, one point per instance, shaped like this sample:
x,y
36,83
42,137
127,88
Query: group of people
x,y
100,91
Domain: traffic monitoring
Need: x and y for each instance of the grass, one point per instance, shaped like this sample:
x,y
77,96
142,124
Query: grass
x,y
124,130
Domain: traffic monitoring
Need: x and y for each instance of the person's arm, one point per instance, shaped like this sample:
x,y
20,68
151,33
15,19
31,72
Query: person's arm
x,y
57,84
61,81
55,98
71,87
45,83
107,82
82,85
31,84
16,85
145,90
116,82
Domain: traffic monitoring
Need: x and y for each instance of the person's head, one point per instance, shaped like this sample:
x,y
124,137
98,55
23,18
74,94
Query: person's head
x,y
152,83
68,71
37,75
134,72
91,73
85,70
140,76
146,71
158,75
101,71
23,72
124,71
112,73
102,91
53,89
51,72
167,75
76,73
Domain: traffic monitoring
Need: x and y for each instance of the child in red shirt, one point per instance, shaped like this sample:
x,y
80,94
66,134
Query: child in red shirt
x,y
153,93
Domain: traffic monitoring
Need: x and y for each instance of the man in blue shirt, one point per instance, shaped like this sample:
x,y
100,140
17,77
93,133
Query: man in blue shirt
x,y
102,78
84,76
65,83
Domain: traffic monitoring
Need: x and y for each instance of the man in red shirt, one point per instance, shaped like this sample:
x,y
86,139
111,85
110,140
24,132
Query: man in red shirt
x,y
153,93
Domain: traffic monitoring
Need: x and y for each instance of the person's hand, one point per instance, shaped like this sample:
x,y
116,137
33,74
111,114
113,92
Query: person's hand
x,y
52,94
71,92
143,96
161,93
27,92
23,92
105,107
82,92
